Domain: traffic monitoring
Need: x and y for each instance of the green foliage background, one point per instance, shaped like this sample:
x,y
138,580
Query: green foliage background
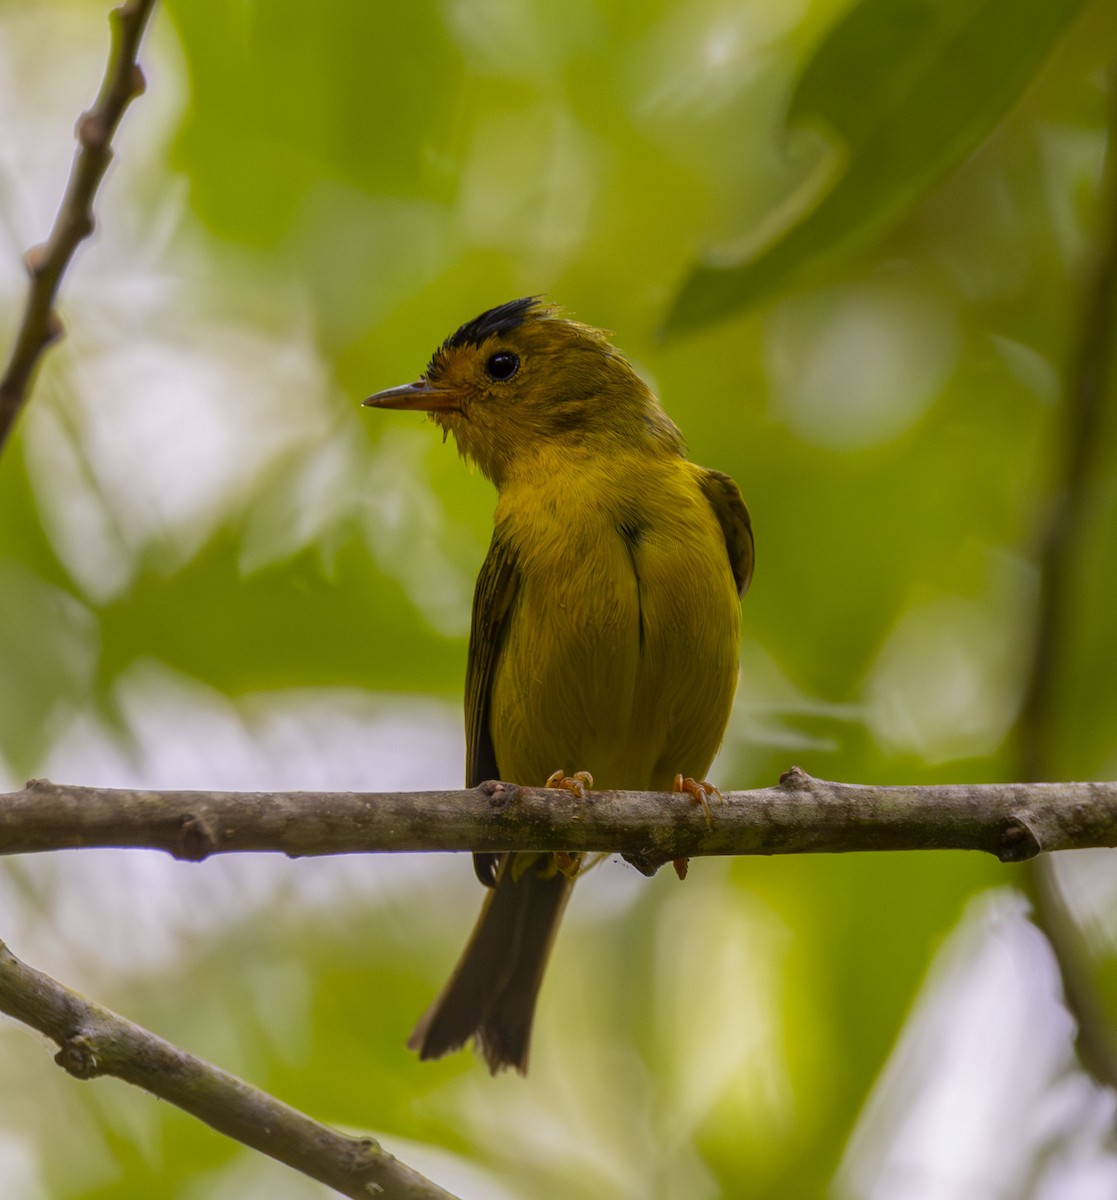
x,y
851,246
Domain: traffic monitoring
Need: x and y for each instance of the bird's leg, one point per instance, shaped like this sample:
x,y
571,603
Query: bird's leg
x,y
569,864
576,783
699,793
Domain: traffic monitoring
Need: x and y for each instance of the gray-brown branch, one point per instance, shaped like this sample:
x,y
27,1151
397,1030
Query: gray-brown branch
x,y
39,324
93,1041
1083,466
800,815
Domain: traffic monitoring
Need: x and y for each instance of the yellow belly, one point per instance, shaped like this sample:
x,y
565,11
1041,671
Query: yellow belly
x,y
621,652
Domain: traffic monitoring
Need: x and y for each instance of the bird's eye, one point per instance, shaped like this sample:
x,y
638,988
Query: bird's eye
x,y
502,365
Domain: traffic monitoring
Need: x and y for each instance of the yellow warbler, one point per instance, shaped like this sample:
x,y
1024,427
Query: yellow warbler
x,y
605,620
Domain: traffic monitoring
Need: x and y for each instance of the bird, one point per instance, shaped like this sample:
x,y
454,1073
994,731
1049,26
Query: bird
x,y
605,626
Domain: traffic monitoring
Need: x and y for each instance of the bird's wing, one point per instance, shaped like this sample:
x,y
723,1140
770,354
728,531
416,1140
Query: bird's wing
x,y
733,516
497,585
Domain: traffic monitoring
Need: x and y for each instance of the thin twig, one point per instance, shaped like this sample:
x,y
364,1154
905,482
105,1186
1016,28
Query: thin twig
x,y
1089,383
801,815
94,1041
40,325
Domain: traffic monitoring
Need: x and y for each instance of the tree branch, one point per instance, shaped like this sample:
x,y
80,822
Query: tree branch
x,y
40,325
801,815
94,1041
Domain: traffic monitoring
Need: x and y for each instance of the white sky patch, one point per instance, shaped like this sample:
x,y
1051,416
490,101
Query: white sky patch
x,y
164,434
159,412
19,1168
181,733
1087,880
102,915
983,1063
52,59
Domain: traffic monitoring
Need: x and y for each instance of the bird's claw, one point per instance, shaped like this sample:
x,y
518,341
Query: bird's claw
x,y
568,864
699,792
576,783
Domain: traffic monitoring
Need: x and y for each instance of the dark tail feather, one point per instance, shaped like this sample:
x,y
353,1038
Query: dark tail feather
x,y
491,994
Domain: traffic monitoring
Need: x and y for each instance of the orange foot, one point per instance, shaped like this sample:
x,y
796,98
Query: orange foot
x,y
699,793
570,865
576,783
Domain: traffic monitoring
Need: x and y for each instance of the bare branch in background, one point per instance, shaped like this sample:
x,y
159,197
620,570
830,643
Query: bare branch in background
x,y
94,1041
801,815
1085,441
46,264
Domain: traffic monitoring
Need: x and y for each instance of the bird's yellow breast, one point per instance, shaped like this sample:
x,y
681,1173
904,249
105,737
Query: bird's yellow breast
x,y
621,651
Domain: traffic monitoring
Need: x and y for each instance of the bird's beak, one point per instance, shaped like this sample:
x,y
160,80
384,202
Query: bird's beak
x,y
421,395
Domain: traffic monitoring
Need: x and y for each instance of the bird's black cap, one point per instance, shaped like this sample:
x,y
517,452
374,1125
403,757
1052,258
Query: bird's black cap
x,y
502,319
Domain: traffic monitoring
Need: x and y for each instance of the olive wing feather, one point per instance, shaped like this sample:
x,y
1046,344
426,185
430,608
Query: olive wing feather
x,y
736,526
493,598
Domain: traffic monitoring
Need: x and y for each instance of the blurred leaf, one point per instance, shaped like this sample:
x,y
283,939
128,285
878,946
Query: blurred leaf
x,y
931,80
339,92
48,641
346,626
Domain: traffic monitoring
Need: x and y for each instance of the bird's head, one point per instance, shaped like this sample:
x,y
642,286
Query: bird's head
x,y
523,376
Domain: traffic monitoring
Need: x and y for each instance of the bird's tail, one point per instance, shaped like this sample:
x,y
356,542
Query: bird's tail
x,y
491,994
